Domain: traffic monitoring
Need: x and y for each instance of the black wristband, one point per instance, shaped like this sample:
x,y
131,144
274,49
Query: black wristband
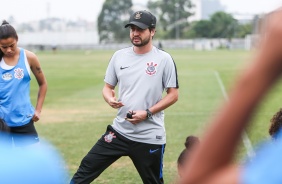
x,y
149,113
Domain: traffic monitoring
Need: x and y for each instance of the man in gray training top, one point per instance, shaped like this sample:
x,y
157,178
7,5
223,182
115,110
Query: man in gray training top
x,y
142,73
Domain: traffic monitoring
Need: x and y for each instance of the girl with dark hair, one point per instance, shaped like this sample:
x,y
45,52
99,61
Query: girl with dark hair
x,y
190,142
275,124
15,105
5,32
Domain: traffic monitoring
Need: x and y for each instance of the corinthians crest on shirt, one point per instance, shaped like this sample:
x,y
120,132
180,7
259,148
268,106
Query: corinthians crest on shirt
x,y
151,68
19,74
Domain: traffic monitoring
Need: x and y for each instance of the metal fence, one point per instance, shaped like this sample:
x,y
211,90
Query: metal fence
x,y
90,40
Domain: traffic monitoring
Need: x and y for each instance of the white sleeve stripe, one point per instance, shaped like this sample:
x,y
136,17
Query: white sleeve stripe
x,y
26,63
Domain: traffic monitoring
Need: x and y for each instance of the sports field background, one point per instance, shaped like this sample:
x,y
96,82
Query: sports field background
x,y
75,115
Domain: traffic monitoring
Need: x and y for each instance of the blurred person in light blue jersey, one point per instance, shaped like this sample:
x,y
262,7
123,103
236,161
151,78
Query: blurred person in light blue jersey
x,y
212,161
265,167
37,164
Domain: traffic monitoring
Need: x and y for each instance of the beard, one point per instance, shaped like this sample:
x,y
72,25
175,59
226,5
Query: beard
x,y
141,43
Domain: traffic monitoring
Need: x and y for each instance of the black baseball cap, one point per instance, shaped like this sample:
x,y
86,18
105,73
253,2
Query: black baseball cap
x,y
142,19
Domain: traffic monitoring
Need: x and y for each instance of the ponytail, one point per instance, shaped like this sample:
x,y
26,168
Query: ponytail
x,y
7,31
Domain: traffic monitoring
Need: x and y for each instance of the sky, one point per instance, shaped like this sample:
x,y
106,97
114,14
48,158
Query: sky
x,y
30,10
251,6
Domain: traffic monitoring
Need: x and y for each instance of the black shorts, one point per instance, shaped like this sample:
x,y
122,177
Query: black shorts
x,y
24,135
147,158
3,126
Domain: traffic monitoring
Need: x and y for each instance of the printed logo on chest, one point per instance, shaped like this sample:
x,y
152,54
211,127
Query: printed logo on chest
x,y
19,74
7,76
151,68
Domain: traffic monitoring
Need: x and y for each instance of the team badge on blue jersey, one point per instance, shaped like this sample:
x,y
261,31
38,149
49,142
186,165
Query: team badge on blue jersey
x,y
7,76
19,74
151,68
108,138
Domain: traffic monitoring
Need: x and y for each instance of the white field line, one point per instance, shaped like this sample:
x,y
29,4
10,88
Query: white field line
x,y
246,140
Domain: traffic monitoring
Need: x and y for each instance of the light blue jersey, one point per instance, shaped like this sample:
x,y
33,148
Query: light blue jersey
x,y
15,105
141,80
37,164
265,167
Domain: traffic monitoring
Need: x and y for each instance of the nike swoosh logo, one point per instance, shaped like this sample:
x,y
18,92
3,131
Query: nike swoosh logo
x,y
153,151
124,67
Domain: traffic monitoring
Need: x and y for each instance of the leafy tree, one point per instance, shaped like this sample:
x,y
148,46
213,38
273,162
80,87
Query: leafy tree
x,y
111,20
220,25
244,29
172,16
223,25
202,29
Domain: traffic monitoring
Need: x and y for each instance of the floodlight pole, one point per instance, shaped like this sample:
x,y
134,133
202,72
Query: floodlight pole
x,y
176,19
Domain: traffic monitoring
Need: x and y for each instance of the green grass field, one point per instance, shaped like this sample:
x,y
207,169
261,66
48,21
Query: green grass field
x,y
75,115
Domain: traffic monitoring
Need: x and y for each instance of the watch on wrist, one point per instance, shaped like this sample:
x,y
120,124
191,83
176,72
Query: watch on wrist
x,y
149,113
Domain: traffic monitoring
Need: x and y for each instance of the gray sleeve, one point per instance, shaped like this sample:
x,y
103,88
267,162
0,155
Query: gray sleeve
x,y
170,78
111,77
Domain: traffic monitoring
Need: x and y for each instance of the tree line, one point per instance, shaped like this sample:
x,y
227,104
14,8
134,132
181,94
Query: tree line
x,y
172,21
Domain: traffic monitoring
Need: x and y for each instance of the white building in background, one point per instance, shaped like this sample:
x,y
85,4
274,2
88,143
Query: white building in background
x,y
197,10
209,7
59,38
53,31
205,8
